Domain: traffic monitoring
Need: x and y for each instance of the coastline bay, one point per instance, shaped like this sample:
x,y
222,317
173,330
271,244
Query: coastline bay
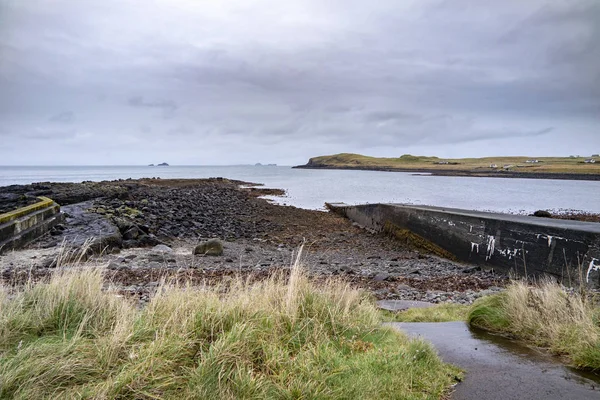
x,y
310,189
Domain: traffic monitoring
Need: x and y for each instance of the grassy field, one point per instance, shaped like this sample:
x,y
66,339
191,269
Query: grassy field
x,y
546,316
565,165
438,313
283,338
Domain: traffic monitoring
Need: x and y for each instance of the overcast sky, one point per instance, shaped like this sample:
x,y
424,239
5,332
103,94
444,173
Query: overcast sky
x,y
279,81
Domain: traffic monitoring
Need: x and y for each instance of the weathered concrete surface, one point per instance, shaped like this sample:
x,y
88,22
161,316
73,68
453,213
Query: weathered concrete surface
x,y
522,245
498,368
21,226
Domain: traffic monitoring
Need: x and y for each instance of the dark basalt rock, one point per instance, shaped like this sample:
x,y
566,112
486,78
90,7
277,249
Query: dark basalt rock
x,y
542,214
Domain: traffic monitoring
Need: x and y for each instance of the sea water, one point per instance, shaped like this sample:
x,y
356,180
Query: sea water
x,y
309,188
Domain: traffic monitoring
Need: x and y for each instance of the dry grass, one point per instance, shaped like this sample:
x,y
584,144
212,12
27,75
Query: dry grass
x,y
547,316
284,337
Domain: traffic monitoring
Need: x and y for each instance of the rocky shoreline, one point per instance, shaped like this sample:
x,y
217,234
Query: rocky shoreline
x,y
452,172
145,231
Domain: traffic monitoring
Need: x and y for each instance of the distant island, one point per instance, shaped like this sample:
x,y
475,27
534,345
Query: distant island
x,y
264,165
572,167
159,165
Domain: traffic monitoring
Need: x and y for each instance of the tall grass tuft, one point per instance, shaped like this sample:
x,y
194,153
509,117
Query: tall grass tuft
x,y
546,316
284,337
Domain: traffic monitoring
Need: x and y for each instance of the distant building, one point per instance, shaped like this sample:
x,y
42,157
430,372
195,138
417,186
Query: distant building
x,y
532,161
507,166
493,166
590,161
443,162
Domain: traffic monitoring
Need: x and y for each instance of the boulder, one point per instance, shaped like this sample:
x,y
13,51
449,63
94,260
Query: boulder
x,y
382,276
131,233
148,240
162,248
542,214
212,247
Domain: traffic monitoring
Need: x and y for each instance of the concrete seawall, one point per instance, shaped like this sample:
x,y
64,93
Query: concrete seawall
x,y
21,226
566,250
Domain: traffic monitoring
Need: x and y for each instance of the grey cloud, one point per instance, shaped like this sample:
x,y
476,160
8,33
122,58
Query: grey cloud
x,y
484,135
138,101
166,107
180,131
63,117
302,76
391,116
50,134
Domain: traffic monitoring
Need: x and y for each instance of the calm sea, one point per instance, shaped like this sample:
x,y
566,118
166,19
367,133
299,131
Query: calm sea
x,y
312,188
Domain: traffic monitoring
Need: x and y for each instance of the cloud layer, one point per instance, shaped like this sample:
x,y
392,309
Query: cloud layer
x,y
244,81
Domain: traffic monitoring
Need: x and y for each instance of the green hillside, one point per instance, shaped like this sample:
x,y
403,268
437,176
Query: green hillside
x,y
559,165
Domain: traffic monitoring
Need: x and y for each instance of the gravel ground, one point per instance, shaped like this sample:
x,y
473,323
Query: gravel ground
x,y
145,230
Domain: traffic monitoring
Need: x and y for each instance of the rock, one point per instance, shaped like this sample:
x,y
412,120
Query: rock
x,y
106,242
129,244
162,248
542,214
382,276
212,247
156,257
49,262
115,266
132,233
148,240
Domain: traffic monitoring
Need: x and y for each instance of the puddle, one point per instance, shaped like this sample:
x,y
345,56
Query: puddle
x,y
499,368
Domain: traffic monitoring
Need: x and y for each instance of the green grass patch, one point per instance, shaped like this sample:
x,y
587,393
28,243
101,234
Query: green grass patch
x,y
438,313
281,338
546,316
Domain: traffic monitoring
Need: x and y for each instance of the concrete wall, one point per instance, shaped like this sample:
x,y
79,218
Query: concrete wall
x,y
21,226
567,250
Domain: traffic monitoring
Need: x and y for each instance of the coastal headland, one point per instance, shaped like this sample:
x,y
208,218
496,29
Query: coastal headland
x,y
573,167
146,230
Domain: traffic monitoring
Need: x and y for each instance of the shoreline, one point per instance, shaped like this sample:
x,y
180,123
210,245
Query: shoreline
x,y
462,173
150,228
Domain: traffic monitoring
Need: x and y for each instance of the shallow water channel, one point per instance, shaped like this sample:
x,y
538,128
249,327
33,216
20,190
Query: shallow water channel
x,y
500,368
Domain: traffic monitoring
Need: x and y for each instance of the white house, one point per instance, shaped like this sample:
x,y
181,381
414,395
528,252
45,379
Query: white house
x,y
590,161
